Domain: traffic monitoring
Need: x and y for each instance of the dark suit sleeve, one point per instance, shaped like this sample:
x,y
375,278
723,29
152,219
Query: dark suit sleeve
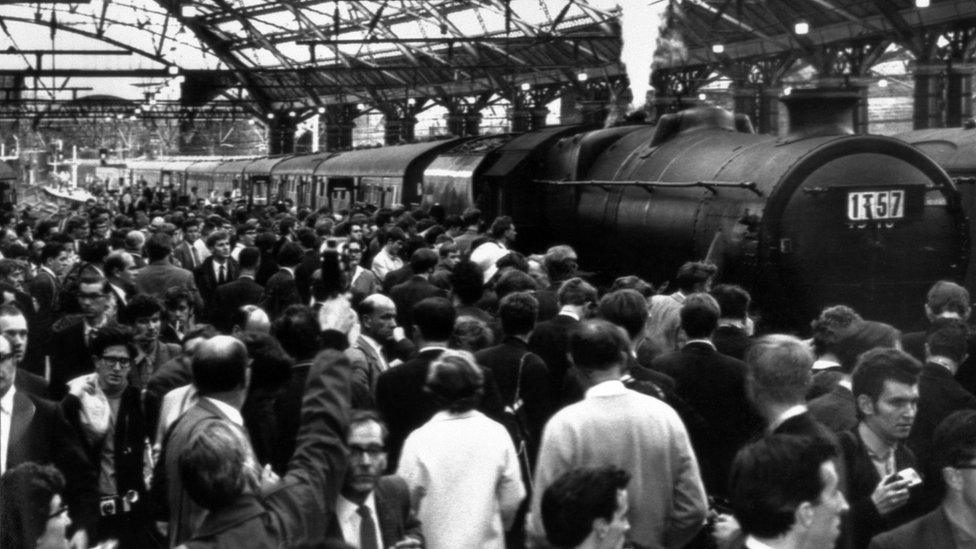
x,y
316,469
491,401
80,473
537,395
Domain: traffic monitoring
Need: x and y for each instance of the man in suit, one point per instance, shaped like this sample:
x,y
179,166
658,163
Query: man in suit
x,y
144,315
946,299
400,395
786,493
362,282
714,386
377,320
732,336
13,327
220,374
311,262
951,522
34,429
885,384
45,288
407,294
160,274
186,253
372,511
940,394
663,329
244,291
281,289
71,357
550,339
120,271
292,512
218,269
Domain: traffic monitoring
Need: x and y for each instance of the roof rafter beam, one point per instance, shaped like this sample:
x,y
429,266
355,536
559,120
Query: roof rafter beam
x,y
902,27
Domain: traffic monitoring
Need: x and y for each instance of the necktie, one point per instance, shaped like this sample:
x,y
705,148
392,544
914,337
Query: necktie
x,y
221,276
193,256
367,529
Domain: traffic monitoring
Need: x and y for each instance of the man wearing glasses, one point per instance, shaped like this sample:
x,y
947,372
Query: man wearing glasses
x,y
953,524
362,282
116,442
372,510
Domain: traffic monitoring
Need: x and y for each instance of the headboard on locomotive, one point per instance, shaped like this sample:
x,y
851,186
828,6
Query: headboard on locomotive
x,y
817,217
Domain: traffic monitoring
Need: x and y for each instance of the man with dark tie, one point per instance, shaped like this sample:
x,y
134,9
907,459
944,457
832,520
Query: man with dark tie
x,y
71,356
120,270
372,510
45,288
186,252
219,268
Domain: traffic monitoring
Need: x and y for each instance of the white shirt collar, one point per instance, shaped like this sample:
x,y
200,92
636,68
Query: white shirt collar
x,y
49,271
753,543
233,414
612,387
791,412
702,341
7,401
372,343
346,509
432,348
290,270
568,311
821,364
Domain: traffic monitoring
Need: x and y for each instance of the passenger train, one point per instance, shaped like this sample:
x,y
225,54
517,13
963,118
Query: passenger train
x,y
816,217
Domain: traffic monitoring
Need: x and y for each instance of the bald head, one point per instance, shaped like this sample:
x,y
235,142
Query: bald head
x,y
220,365
377,315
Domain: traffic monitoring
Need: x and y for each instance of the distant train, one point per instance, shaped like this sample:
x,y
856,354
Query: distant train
x,y
817,217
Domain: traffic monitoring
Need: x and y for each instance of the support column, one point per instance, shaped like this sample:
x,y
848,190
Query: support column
x,y
959,94
538,117
281,134
768,113
472,123
928,96
338,122
521,119
463,121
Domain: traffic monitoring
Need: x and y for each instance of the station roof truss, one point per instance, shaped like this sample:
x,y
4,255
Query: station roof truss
x,y
300,55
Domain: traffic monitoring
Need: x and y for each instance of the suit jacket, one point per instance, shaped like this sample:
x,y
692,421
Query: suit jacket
x,y
311,262
184,515
408,294
731,341
836,410
206,279
396,520
31,384
534,389
714,386
70,358
914,344
45,291
280,292
184,256
157,277
232,296
931,531
367,364
396,277
365,284
404,405
40,433
862,479
295,511
550,340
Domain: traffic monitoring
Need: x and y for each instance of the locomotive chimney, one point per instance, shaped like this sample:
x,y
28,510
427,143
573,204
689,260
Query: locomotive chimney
x,y
819,111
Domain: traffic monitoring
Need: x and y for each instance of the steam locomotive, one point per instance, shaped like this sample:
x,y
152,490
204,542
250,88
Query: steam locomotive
x,y
819,216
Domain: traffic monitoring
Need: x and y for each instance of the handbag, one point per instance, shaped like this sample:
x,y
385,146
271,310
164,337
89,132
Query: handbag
x,y
518,425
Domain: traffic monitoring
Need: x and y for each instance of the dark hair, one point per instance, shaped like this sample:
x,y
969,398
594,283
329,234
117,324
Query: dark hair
x,y
206,331
270,364
947,296
778,369
830,326
772,477
394,233
518,312
435,317
471,334
513,260
631,282
159,246
694,273
577,498
174,295
955,438
861,337
26,492
948,337
75,222
358,416
576,291
111,335
456,381
733,301
699,315
51,250
879,365
298,331
471,216
140,306
94,251
215,237
625,308
467,281
219,369
94,278
329,281
500,226
114,263
249,258
307,238
423,260
290,254
515,281
597,345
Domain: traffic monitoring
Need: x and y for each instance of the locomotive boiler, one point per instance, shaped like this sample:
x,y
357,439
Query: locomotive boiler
x,y
817,217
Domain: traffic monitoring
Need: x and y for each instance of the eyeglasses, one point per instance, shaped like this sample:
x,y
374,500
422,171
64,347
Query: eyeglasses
x,y
372,451
58,512
90,296
119,361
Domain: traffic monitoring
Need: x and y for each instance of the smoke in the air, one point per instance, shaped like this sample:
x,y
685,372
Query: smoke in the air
x,y
640,22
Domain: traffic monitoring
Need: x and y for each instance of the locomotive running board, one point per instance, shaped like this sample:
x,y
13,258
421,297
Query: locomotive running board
x,y
649,186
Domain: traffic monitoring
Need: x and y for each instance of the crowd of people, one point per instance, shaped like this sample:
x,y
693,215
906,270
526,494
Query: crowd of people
x,y
175,373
